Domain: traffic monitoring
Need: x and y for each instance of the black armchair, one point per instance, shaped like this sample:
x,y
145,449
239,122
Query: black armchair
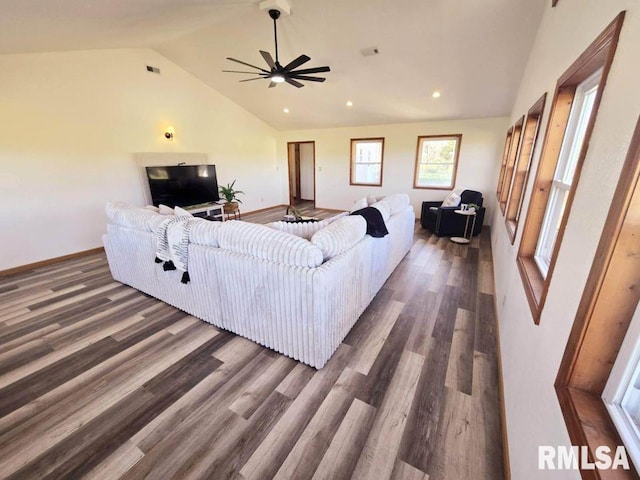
x,y
444,222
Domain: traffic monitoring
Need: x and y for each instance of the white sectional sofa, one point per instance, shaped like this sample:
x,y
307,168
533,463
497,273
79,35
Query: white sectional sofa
x,y
296,296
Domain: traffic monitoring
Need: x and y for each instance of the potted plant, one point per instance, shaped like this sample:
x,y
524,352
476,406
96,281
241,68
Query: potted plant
x,y
473,207
231,196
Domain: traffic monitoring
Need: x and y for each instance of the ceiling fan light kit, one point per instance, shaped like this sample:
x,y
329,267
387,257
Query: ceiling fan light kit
x,y
277,73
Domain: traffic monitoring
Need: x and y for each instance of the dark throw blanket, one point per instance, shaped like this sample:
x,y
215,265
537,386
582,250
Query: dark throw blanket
x,y
375,223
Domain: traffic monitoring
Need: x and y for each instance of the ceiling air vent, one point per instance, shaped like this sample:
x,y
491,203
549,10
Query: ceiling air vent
x,y
153,69
369,51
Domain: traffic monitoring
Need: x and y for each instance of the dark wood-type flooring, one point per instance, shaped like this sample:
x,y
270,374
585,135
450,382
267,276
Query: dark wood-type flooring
x,y
98,380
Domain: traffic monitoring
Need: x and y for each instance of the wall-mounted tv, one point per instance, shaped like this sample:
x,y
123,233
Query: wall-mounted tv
x,y
183,185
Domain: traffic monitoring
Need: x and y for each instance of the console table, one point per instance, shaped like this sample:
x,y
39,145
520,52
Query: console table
x,y
208,208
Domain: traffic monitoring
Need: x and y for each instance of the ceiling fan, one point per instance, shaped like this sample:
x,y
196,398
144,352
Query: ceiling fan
x,y
278,73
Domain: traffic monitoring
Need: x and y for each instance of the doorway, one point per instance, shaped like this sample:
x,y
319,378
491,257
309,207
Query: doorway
x,y
302,177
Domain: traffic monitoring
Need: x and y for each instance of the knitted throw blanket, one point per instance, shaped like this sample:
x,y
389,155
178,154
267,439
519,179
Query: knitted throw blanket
x,y
172,245
375,223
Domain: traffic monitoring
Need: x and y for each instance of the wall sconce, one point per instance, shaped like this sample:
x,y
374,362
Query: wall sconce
x,y
169,133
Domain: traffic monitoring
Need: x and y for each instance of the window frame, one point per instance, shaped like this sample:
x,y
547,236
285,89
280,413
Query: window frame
x,y
607,307
509,167
522,168
456,162
353,144
564,174
503,165
598,55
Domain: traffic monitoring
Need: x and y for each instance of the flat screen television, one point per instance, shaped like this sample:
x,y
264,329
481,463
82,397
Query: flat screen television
x,y
183,185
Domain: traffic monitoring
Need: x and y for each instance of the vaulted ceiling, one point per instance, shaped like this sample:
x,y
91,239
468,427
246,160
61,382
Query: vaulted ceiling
x,y
472,51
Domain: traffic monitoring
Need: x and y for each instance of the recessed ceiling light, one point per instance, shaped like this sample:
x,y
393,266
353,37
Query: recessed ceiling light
x,y
285,110
349,103
436,94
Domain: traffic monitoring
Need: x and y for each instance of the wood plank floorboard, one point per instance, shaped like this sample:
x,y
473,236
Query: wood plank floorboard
x,y
100,381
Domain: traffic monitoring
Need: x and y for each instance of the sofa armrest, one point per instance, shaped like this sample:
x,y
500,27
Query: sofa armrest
x,y
447,211
427,206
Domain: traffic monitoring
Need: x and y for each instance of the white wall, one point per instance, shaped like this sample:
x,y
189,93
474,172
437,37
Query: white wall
x,y
71,122
306,171
482,143
532,354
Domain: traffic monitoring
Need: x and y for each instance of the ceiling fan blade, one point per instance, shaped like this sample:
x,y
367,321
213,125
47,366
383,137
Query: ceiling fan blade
x,y
293,82
238,71
247,64
268,58
308,79
272,84
311,70
249,79
297,62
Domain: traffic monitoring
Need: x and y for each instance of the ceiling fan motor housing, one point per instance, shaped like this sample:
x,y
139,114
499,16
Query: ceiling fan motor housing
x,y
281,5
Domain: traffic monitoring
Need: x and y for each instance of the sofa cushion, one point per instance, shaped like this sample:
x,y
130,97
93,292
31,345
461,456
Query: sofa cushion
x,y
126,215
396,202
336,217
384,208
303,229
164,210
204,232
265,243
181,212
340,236
360,204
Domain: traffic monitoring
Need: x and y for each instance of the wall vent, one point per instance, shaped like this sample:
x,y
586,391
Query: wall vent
x,y
369,51
153,69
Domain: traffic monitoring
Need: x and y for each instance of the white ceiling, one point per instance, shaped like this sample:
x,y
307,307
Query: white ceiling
x,y
473,51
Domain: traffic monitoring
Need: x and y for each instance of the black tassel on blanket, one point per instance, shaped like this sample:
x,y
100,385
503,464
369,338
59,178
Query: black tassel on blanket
x,y
185,277
158,260
168,266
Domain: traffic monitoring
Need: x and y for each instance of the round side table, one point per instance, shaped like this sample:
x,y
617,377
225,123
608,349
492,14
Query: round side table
x,y
466,239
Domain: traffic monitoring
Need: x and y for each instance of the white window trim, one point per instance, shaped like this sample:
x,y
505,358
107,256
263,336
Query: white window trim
x,y
565,169
620,388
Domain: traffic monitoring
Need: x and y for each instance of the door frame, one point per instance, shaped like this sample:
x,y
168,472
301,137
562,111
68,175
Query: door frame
x,y
289,169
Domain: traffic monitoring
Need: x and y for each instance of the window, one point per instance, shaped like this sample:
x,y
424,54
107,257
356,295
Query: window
x,y
523,165
437,161
511,160
598,376
573,113
505,157
366,161
579,117
622,393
